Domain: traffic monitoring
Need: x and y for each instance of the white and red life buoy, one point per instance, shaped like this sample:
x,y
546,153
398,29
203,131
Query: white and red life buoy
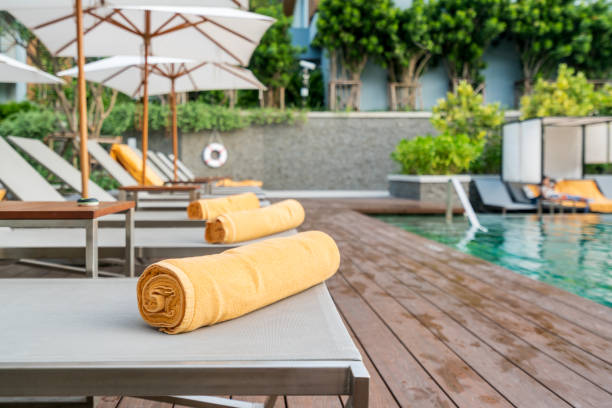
x,y
214,155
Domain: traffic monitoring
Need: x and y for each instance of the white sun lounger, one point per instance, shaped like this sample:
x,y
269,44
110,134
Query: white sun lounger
x,y
72,176
26,184
74,337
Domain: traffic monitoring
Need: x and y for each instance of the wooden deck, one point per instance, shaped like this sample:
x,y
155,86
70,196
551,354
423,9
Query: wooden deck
x,y
438,328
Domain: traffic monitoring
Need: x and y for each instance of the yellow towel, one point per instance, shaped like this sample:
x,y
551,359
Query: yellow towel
x,y
251,224
181,295
242,183
2,194
211,208
586,189
132,162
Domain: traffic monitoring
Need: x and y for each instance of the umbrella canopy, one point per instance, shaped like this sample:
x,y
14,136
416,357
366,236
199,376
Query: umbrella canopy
x,y
12,70
166,75
212,33
125,74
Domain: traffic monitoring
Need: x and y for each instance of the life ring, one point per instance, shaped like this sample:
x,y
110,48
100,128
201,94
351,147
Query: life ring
x,y
214,155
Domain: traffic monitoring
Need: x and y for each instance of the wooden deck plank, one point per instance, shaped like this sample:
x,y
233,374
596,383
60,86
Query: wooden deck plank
x,y
460,382
490,273
313,402
484,360
129,402
597,345
548,371
410,384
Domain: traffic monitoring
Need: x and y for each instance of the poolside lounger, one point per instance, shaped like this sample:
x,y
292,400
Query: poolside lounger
x,y
72,176
58,166
97,344
494,193
604,182
56,243
170,166
26,184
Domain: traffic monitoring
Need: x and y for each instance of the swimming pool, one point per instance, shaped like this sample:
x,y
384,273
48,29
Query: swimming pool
x,y
572,251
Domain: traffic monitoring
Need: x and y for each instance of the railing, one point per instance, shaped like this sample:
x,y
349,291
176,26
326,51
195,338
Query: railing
x,y
453,182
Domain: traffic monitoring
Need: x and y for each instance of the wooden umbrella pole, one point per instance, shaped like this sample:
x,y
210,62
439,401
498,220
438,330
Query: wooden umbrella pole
x,y
145,96
84,157
174,131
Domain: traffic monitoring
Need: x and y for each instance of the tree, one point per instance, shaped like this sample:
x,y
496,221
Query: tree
x,y
60,97
275,59
569,95
595,57
351,31
407,51
461,30
545,32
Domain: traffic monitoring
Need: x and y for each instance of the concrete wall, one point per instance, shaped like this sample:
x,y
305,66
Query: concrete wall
x,y
329,151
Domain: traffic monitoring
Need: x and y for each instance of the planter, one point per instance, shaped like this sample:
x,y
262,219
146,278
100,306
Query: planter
x,y
427,188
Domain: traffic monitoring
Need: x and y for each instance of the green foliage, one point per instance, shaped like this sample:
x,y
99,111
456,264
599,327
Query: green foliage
x,y
354,29
408,48
442,154
469,137
594,56
34,123
464,112
461,30
545,31
104,180
569,95
9,108
275,58
194,117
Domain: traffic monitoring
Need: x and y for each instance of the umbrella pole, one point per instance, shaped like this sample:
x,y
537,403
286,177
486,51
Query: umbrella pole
x,y
145,97
174,131
84,157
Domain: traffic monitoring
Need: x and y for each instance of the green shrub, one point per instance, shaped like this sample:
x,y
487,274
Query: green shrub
x,y
569,95
9,108
469,137
443,154
34,123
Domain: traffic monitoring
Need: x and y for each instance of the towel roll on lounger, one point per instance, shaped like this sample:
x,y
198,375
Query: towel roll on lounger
x,y
130,160
181,295
211,208
252,224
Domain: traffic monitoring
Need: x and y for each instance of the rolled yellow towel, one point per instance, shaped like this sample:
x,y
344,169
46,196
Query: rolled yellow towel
x,y
211,208
227,182
251,224
181,295
2,194
132,162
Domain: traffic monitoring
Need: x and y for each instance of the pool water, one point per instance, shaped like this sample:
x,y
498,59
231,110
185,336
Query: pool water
x,y
573,251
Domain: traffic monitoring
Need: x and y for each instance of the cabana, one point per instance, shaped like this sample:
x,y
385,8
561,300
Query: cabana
x,y
558,147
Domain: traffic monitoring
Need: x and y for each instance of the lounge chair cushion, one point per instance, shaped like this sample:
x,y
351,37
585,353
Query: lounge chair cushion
x,y
251,224
242,183
130,160
586,189
181,295
211,208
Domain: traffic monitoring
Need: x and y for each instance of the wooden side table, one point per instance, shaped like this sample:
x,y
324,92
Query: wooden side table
x,y
52,214
131,192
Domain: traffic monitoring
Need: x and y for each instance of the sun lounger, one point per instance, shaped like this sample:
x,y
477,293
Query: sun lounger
x,y
58,166
26,184
72,176
604,182
170,166
21,179
494,194
56,243
95,343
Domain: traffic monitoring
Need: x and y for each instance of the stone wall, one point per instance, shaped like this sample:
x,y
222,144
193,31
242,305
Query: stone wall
x,y
334,151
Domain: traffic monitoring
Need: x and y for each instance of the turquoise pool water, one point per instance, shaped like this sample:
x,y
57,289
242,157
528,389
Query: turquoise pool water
x,y
573,252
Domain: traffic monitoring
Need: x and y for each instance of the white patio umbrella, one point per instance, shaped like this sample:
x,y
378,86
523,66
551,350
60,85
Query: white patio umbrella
x,y
166,76
211,33
12,71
